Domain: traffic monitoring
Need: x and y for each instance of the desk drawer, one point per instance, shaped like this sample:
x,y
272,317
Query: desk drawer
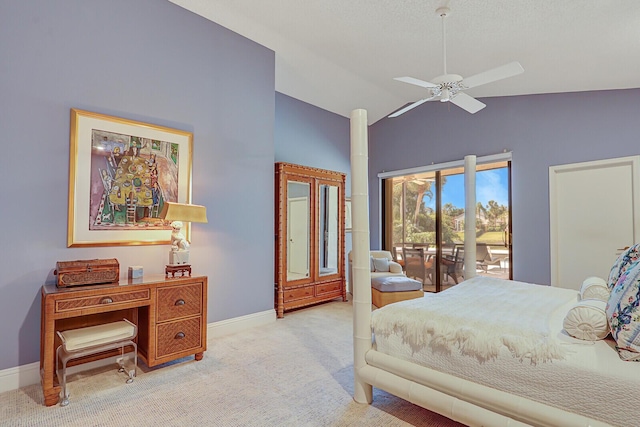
x,y
175,302
111,299
179,336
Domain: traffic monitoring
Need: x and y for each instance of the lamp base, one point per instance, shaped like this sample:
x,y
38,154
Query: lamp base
x,y
178,256
182,269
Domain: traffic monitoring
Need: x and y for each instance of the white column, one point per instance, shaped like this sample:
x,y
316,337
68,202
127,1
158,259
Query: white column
x,y
361,287
469,216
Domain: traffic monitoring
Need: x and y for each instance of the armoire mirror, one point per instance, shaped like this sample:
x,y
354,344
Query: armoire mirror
x,y
298,229
328,229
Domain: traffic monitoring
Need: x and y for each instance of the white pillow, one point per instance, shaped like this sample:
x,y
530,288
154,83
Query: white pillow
x,y
587,320
372,268
594,288
394,267
381,264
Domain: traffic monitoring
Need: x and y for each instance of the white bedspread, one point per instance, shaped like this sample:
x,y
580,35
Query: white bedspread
x,y
590,380
477,318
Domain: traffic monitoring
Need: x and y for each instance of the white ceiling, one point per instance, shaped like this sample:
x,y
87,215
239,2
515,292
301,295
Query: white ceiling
x,y
343,54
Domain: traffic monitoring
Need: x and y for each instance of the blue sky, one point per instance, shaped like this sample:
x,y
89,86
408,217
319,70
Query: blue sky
x,y
490,185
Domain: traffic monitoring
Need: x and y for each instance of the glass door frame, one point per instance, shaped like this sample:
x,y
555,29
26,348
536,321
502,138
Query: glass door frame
x,y
386,209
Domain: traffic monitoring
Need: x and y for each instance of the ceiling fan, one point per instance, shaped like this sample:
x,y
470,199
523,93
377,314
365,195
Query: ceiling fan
x,y
450,87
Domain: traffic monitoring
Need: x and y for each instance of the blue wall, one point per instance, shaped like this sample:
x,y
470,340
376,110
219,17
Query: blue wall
x,y
305,133
146,60
540,130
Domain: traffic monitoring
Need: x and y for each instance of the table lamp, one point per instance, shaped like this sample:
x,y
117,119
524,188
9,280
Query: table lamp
x,y
178,214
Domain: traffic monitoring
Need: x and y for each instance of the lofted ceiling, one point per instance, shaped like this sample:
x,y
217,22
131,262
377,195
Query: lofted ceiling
x,y
343,54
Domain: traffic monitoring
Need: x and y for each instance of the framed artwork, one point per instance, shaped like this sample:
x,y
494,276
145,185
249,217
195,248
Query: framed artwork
x,y
347,215
121,172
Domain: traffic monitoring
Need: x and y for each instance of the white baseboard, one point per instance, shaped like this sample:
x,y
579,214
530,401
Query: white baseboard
x,y
238,324
20,376
26,375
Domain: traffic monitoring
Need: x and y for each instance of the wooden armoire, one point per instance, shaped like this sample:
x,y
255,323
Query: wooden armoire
x,y
309,236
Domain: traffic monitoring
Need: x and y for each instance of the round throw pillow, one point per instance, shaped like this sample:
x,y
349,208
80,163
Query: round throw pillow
x,y
594,288
587,320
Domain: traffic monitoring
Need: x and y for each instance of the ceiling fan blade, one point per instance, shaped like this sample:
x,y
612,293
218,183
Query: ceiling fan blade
x,y
508,70
409,107
414,81
467,102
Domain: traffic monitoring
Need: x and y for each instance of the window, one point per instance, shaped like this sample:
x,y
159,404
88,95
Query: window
x,y
423,223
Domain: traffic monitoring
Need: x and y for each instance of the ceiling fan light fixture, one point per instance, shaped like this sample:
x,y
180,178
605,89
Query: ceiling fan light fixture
x,y
445,95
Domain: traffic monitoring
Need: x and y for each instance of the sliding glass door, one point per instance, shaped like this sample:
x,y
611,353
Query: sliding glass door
x,y
423,223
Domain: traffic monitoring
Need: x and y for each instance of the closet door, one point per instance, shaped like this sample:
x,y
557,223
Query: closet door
x,y
593,213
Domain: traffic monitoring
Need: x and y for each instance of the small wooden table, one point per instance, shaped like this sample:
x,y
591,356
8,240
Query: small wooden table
x,y
171,315
182,269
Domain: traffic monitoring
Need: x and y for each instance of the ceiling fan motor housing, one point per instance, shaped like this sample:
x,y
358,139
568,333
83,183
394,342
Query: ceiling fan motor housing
x,y
447,78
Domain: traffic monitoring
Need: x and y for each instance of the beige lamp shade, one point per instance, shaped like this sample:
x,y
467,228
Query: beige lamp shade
x,y
183,212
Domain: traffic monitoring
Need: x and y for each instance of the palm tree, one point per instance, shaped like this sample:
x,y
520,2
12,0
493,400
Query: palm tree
x,y
423,189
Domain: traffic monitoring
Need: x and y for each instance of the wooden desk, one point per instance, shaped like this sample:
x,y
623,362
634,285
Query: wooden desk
x,y
171,314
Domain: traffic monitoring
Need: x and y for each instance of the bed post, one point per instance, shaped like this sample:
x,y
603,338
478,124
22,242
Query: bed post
x,y
361,286
469,216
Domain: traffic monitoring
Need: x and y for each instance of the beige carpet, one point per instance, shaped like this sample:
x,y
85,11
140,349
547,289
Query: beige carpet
x,y
297,371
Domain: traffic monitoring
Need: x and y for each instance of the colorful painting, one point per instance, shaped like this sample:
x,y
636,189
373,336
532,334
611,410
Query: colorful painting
x,y
129,170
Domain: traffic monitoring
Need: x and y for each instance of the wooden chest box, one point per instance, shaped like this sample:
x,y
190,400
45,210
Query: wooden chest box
x,y
87,272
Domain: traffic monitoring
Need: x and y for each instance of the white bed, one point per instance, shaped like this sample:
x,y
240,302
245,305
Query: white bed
x,y
580,377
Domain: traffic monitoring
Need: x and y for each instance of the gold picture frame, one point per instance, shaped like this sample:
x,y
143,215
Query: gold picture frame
x,y
121,172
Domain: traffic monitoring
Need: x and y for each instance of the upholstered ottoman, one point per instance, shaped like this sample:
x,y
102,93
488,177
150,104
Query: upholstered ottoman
x,y
388,289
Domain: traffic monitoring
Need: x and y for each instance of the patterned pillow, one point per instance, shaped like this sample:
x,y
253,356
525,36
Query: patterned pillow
x,y
626,260
623,313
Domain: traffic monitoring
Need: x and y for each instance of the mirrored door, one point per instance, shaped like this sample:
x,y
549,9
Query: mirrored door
x,y
328,229
298,230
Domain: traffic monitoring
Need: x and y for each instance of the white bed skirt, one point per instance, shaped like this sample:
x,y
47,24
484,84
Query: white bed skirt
x,y
461,400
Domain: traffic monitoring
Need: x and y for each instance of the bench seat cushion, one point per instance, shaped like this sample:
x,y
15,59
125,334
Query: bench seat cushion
x,y
78,339
395,284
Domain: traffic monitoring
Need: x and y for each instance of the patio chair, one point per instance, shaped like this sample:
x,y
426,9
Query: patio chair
x,y
396,256
484,259
448,249
417,264
453,266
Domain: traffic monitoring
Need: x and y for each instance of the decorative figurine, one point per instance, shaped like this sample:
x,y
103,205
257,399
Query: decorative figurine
x,y
179,253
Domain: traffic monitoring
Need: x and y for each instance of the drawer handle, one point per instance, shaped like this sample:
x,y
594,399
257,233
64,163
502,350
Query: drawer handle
x,y
179,335
106,300
179,302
